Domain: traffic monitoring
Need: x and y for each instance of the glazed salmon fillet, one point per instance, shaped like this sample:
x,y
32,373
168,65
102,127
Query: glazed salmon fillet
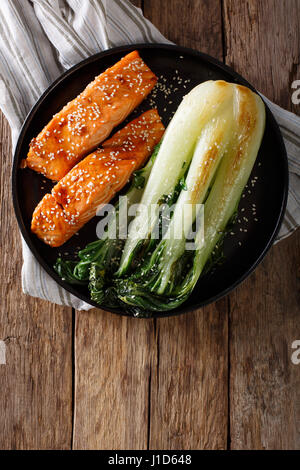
x,y
88,120
95,180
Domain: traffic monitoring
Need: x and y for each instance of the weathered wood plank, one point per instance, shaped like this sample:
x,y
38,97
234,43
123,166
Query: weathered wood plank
x,y
117,360
113,356
36,381
262,39
264,383
189,381
189,370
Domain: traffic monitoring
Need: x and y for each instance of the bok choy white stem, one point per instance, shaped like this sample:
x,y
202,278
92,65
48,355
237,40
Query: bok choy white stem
x,y
198,108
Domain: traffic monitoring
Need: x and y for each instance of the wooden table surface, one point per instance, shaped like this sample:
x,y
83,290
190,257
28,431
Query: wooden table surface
x,y
218,378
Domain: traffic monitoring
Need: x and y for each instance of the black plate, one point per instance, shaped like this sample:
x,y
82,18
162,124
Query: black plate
x,y
264,200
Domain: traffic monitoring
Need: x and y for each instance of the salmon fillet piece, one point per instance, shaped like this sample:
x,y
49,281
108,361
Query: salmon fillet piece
x,y
88,120
55,223
95,180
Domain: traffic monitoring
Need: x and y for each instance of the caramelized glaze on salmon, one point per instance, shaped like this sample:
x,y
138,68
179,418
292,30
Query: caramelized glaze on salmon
x,y
89,119
95,180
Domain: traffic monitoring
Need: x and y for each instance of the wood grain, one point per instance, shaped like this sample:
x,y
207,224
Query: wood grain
x,y
189,381
264,383
262,40
113,357
36,381
262,43
189,372
192,23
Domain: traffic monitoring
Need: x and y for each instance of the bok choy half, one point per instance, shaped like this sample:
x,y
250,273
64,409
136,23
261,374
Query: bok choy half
x,y
201,168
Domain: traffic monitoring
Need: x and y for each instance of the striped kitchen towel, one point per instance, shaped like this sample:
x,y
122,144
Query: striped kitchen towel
x,y
42,38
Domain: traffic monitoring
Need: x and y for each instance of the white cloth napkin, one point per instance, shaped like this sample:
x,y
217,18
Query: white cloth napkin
x,y
39,39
